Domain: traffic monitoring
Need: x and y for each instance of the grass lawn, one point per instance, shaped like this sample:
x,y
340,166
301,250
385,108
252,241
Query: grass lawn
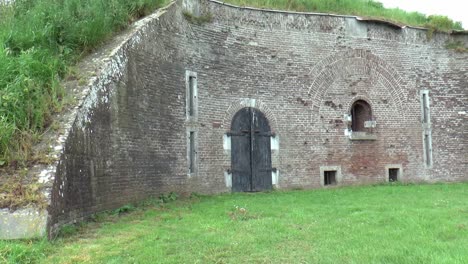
x,y
372,224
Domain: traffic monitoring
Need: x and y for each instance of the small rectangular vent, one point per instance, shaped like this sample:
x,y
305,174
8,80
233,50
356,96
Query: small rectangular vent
x,y
393,175
330,177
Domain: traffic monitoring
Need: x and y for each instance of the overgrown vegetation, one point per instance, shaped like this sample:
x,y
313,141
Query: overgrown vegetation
x,y
15,193
457,46
198,20
391,223
39,40
367,8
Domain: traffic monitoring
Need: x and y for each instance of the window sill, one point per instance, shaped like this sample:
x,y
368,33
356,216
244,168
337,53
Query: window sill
x,y
362,136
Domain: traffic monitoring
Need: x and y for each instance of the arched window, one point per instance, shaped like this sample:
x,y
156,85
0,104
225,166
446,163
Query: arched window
x,y
360,113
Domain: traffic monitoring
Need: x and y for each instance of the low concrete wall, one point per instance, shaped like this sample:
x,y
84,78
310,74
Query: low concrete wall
x,y
22,223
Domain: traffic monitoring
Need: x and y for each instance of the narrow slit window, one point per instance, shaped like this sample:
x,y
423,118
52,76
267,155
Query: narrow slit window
x,y
425,107
428,149
191,96
192,152
330,177
426,125
393,174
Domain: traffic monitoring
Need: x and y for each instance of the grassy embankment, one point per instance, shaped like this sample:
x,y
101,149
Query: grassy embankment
x,y
367,8
372,224
39,41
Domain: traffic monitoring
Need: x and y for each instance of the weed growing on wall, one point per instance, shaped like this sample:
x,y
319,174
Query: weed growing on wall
x,y
440,24
457,46
198,20
39,40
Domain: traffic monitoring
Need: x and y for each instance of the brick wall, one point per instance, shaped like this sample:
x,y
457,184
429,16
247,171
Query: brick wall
x,y
303,71
306,71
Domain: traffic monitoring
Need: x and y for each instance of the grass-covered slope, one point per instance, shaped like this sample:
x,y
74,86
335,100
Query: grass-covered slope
x,y
39,40
373,224
368,8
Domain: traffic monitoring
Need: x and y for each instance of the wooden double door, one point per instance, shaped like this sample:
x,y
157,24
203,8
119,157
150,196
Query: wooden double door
x,y
250,151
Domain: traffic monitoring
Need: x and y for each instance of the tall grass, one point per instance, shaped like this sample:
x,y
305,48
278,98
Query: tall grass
x,y
368,8
39,40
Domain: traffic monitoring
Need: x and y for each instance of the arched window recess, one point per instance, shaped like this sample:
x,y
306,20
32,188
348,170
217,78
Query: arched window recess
x,y
361,121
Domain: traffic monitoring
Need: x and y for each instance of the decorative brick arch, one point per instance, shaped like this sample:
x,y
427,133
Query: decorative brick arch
x,y
249,102
355,63
359,98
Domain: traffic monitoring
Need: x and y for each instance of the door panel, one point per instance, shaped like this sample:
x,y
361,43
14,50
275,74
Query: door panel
x,y
250,151
240,151
261,153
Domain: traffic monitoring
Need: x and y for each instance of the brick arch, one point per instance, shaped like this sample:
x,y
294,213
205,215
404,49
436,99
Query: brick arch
x,y
360,98
237,105
354,63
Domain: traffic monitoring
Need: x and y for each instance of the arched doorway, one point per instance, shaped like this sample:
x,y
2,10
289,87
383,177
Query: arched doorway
x,y
250,151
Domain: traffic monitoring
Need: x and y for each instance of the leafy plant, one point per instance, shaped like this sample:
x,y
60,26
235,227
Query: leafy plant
x,y
124,209
166,198
68,230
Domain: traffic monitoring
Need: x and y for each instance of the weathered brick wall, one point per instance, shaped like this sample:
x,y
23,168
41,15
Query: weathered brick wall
x,y
303,71
126,142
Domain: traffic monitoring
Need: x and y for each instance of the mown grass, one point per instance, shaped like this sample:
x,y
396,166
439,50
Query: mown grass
x,y
39,40
373,224
368,8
